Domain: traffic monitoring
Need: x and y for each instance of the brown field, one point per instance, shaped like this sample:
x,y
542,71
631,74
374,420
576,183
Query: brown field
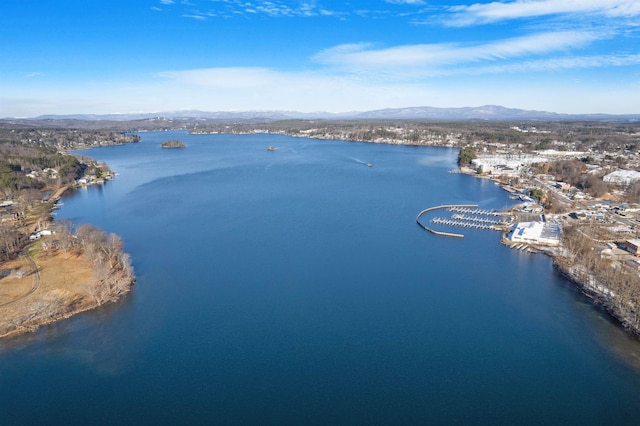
x,y
63,279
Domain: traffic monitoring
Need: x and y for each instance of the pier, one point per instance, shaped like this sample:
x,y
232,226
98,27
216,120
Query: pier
x,y
447,206
476,211
461,223
465,216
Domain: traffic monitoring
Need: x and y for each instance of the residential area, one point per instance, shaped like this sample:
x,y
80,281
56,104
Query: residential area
x,y
35,171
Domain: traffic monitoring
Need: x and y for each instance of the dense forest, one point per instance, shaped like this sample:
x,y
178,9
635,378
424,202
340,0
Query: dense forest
x,y
35,160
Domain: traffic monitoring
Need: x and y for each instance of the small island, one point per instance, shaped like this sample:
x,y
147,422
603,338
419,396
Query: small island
x,y
173,143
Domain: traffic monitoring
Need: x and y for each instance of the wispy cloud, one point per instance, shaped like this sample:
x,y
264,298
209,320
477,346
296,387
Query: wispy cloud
x,y
411,2
556,64
294,9
265,88
483,13
539,52
274,8
197,17
433,58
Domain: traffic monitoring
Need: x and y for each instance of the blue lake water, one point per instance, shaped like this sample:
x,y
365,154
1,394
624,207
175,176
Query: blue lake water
x,y
294,287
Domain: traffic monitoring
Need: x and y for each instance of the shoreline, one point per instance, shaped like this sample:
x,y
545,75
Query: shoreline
x,y
76,303
597,297
36,326
60,294
73,286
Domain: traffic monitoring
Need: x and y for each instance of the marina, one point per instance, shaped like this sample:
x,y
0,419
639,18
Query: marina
x,y
467,216
466,223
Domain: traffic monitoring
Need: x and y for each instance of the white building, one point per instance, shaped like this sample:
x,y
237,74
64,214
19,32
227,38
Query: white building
x,y
622,177
547,234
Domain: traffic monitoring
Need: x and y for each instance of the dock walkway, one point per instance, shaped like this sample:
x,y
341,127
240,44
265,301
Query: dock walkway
x,y
447,206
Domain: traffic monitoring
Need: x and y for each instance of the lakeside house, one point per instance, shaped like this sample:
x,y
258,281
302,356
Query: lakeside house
x,y
39,234
633,246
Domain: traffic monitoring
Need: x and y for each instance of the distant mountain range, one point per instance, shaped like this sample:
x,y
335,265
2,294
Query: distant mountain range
x,y
487,113
482,113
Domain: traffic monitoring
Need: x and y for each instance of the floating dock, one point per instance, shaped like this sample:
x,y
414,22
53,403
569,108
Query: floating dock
x,y
465,216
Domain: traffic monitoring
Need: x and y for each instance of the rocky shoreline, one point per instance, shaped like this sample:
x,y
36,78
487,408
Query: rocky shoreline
x,y
599,297
598,293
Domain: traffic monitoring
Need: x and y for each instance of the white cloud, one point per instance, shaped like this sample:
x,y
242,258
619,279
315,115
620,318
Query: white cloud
x,y
555,64
416,2
227,78
482,13
429,58
195,16
263,88
274,8
293,9
228,89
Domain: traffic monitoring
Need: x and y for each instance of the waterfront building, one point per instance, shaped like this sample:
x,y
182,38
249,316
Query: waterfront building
x,y
622,177
539,233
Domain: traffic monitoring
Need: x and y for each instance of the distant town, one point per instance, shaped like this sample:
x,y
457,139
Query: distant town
x,y
575,184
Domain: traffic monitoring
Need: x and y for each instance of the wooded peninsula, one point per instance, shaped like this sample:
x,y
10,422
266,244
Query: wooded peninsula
x,y
49,269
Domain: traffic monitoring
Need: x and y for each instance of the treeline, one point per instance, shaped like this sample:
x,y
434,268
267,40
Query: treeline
x,y
466,155
575,173
611,283
112,269
12,241
24,151
18,161
581,136
112,277
32,160
61,138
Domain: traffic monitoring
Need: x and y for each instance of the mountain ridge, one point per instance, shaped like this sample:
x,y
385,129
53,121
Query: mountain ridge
x,y
483,113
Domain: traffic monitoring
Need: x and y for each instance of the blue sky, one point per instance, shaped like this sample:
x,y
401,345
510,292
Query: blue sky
x,y
122,56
